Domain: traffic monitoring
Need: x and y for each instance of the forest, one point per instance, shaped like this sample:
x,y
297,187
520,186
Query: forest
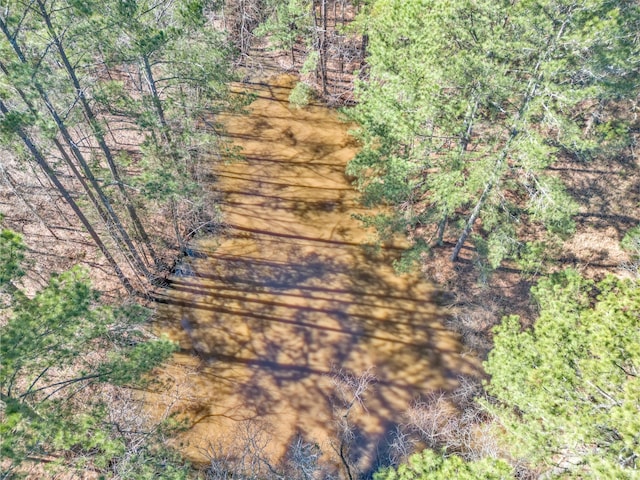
x,y
495,141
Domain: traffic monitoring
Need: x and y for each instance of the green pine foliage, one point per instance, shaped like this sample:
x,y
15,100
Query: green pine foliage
x,y
631,244
569,388
430,465
467,103
12,250
55,345
142,80
183,69
564,395
288,22
300,95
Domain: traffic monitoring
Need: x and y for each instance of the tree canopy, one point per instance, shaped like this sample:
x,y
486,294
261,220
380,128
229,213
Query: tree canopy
x,y
434,465
569,388
564,395
123,97
57,347
467,104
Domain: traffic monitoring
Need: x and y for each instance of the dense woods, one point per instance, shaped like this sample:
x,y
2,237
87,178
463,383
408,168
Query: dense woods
x,y
467,106
108,100
464,112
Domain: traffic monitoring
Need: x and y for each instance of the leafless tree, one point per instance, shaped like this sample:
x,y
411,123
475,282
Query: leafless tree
x,y
401,445
454,421
245,456
240,18
350,390
303,459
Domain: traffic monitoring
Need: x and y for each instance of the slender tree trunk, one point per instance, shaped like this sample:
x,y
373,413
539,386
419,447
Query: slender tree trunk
x,y
104,215
140,265
344,460
465,138
97,205
442,225
176,227
495,175
472,219
97,131
323,46
155,98
13,185
69,199
157,104
530,92
318,14
363,51
131,249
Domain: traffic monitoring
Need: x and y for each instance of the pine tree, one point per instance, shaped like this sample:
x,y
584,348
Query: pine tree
x,y
12,123
288,23
468,103
568,389
564,394
177,71
430,465
55,345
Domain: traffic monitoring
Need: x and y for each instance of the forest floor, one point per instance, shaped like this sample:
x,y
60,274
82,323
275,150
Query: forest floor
x,y
55,241
607,191
54,237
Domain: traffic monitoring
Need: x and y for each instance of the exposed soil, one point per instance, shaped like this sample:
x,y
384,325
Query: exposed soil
x,y
292,294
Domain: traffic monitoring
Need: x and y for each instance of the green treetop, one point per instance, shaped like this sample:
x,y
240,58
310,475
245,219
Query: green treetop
x,y
429,465
569,388
564,394
467,104
55,348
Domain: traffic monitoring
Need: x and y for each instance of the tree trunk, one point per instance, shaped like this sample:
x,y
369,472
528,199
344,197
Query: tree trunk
x,y
530,93
465,138
442,225
316,40
104,216
363,52
323,47
155,98
176,227
96,129
140,265
472,219
157,104
532,87
74,206
112,218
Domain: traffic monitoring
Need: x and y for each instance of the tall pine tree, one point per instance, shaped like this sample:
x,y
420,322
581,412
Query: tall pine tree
x,y
58,346
468,103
